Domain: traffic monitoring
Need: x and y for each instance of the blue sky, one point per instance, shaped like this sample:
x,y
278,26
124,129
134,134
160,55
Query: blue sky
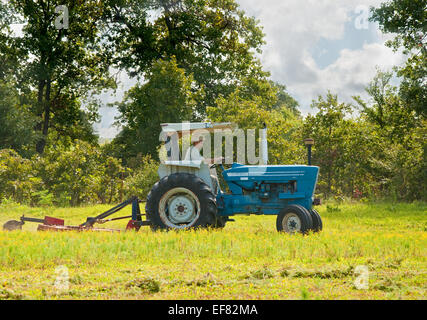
x,y
312,46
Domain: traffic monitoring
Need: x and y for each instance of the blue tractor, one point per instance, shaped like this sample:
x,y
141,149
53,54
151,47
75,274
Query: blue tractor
x,y
188,194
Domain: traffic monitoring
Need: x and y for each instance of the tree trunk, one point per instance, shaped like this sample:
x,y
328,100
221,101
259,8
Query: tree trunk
x,y
39,111
330,163
42,142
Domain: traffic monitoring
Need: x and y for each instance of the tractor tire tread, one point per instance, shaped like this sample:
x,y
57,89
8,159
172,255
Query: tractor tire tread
x,y
317,221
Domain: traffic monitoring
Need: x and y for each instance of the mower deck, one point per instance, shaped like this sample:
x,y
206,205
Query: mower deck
x,y
44,227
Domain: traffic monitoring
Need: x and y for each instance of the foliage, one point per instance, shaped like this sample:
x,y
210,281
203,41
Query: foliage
x,y
16,122
71,172
387,110
397,136
66,63
406,19
167,96
257,104
142,178
407,164
285,100
194,60
112,175
381,153
17,177
212,40
332,150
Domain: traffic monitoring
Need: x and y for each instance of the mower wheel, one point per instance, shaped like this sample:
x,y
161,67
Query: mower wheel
x,y
294,219
317,221
181,201
13,225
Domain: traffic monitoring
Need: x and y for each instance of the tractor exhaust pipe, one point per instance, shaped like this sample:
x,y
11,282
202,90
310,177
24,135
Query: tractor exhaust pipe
x,y
264,145
309,142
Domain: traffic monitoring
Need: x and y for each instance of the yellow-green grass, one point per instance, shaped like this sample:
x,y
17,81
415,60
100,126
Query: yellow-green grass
x,y
247,259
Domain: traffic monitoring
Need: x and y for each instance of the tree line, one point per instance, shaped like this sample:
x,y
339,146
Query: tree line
x,y
194,60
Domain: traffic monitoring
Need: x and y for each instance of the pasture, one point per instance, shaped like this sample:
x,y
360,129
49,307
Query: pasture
x,y
247,259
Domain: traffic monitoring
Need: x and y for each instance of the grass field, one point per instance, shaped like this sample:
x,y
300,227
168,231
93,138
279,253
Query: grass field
x,y
248,259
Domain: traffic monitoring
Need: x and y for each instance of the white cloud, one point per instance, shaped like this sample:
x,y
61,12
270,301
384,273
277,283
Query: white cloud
x,y
294,27
350,73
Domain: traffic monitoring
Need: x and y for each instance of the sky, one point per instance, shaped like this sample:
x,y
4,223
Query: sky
x,y
316,45
311,46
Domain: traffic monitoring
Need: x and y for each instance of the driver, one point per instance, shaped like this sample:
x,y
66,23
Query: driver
x,y
193,153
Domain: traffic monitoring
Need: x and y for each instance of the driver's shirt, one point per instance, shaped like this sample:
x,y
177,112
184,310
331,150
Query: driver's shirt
x,y
193,154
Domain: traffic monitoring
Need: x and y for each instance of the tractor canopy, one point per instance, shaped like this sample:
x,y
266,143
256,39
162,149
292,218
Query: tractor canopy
x,y
184,128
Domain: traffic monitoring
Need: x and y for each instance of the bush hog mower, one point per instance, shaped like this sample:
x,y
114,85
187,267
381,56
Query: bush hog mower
x,y
55,224
189,195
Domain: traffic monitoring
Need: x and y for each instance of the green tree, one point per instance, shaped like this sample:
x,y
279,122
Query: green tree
x,y
379,153
8,52
387,109
253,105
142,178
167,96
330,129
408,20
71,171
212,40
18,179
284,99
112,179
16,122
67,62
396,134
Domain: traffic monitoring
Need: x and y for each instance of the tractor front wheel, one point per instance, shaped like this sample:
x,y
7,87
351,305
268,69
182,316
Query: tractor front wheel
x,y
181,201
317,221
294,219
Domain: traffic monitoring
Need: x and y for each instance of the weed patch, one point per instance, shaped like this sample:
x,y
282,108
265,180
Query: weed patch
x,y
147,285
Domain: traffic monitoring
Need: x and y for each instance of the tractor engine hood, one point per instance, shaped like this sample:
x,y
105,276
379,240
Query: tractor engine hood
x,y
247,176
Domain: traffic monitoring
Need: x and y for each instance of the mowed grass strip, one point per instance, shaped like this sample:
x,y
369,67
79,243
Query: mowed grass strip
x,y
247,259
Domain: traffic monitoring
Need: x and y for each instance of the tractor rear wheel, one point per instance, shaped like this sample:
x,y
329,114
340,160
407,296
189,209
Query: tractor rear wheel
x,y
181,201
294,219
317,221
